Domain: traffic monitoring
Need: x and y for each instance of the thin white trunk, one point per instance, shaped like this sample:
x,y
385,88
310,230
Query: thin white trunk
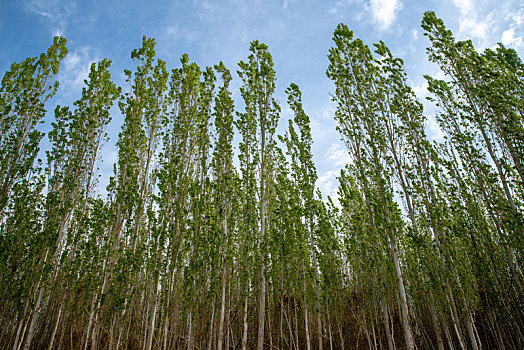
x,y
21,325
317,290
34,320
212,328
164,344
408,337
448,338
454,317
222,309
245,328
153,318
306,321
90,323
471,333
51,343
190,332
434,320
262,304
385,318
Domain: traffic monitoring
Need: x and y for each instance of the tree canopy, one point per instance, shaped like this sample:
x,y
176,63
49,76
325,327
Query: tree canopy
x,y
208,241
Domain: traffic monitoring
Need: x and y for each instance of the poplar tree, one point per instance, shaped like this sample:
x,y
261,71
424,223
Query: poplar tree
x,y
224,175
142,107
262,112
304,175
25,89
361,117
189,248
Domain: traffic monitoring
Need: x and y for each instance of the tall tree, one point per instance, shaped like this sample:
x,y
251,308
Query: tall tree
x,y
262,111
224,177
361,119
142,108
305,175
26,88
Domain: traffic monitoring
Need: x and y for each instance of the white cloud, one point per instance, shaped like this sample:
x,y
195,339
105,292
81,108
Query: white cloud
x,y
322,124
464,5
328,183
75,69
414,34
338,154
183,33
433,129
385,12
518,16
207,10
509,39
475,28
471,26
357,8
421,90
56,12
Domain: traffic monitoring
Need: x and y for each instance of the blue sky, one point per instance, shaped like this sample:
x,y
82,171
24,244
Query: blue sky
x,y
298,33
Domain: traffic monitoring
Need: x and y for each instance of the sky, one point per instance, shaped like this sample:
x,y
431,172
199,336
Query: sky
x,y
298,33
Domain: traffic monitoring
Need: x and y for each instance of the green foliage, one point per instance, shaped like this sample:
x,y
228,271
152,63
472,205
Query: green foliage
x,y
191,246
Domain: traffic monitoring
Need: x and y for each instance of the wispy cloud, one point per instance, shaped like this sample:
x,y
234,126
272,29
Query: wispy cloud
x,y
328,183
514,36
358,9
385,12
472,25
56,12
75,69
181,33
338,154
382,13
509,38
421,90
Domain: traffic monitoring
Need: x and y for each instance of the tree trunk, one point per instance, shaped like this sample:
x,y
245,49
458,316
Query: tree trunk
x,y
408,337
434,321
34,319
52,341
262,304
245,328
151,331
385,317
306,320
222,308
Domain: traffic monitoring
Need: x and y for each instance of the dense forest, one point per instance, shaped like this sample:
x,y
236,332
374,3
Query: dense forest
x,y
203,242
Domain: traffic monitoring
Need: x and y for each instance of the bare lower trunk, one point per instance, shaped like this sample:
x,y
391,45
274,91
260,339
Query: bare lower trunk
x,y
408,337
296,321
51,343
34,319
212,325
471,333
149,342
244,331
262,309
17,339
90,323
317,292
448,338
222,310
190,332
385,317
454,317
21,325
434,321
306,320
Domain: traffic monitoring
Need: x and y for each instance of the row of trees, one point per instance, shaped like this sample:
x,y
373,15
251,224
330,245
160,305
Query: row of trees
x,y
194,250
